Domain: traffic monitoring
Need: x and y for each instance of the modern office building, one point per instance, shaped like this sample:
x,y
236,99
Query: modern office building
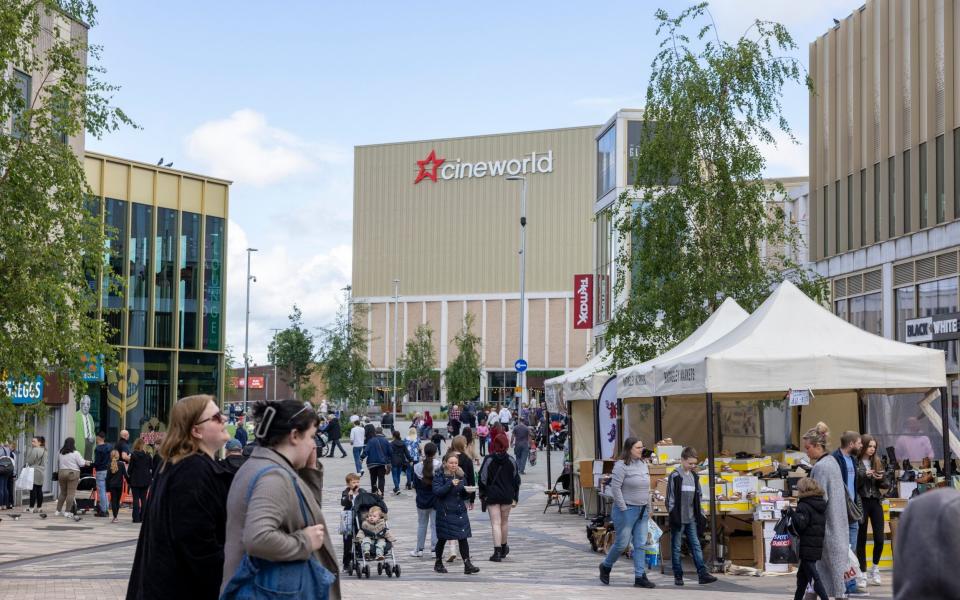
x,y
169,250
441,217
885,168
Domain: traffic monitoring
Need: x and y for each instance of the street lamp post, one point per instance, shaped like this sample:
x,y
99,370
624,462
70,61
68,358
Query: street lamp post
x,y
396,302
522,377
246,337
275,330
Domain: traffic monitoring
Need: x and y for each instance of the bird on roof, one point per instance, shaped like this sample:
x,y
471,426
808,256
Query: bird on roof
x,y
160,162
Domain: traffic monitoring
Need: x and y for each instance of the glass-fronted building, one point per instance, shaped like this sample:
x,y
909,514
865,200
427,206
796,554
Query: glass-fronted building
x,y
168,250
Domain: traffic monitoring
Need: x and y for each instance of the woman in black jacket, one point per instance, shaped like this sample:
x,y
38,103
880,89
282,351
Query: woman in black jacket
x,y
140,473
116,475
499,483
453,522
810,523
871,477
400,459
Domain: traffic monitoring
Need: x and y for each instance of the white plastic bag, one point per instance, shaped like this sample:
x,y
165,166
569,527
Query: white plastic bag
x,y
654,533
25,480
853,578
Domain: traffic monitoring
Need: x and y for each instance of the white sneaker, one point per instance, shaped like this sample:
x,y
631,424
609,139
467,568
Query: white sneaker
x,y
875,575
68,515
57,513
416,553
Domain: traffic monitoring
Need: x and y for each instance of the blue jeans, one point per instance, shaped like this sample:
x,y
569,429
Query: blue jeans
x,y
521,453
396,472
410,474
854,530
357,451
5,499
693,543
631,526
102,491
426,517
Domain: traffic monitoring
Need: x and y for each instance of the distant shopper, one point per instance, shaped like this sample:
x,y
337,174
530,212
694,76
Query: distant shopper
x,y
68,475
847,459
521,445
927,548
333,435
836,539
378,456
8,465
453,522
116,476
101,464
423,474
140,474
123,445
809,522
400,460
180,549
504,417
630,487
241,433
499,484
483,435
386,421
358,441
413,449
36,457
684,503
872,477
234,457
427,429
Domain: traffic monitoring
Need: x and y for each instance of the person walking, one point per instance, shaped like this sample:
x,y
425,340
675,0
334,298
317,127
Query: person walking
x,y
836,539
140,473
386,422
499,486
358,441
36,457
180,549
685,506
871,494
68,475
521,445
809,522
846,457
453,522
483,435
413,449
333,435
427,425
504,417
101,464
423,473
274,505
241,433
116,475
8,467
378,455
400,460
465,460
630,486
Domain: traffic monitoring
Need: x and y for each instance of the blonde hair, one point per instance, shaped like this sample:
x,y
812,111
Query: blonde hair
x,y
818,435
458,444
808,486
374,511
352,477
114,460
138,444
179,442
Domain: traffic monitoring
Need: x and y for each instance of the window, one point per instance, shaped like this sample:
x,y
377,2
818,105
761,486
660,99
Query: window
x,y
923,186
189,278
906,191
24,85
865,311
906,309
605,265
198,373
212,283
115,257
165,264
937,298
606,161
155,370
892,197
840,308
941,200
863,207
826,224
138,281
876,202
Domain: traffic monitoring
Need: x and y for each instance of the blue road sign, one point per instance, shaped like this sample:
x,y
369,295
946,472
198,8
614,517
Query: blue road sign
x,y
520,366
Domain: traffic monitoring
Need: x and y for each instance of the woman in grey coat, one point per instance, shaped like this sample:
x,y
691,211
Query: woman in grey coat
x,y
270,526
836,541
36,457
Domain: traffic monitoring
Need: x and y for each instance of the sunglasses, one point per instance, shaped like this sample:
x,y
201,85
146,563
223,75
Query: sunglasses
x,y
217,416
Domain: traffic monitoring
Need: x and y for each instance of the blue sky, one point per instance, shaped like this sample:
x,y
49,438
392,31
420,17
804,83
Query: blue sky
x,y
275,95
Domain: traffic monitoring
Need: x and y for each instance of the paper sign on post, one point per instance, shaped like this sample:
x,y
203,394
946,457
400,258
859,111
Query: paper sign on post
x,y
800,397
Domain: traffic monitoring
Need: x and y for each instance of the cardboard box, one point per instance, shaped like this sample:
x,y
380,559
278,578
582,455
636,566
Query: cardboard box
x,y
774,484
668,454
749,464
657,470
740,550
790,457
730,524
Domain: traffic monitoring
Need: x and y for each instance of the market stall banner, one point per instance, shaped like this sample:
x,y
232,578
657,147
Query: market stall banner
x,y
607,419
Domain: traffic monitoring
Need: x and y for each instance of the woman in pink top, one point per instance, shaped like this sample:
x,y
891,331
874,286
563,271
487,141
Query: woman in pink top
x,y
483,433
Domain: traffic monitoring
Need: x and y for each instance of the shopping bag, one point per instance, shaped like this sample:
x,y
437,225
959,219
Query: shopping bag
x,y
783,546
346,522
25,480
853,578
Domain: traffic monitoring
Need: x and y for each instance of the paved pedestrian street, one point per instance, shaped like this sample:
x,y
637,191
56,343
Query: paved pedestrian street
x,y
56,559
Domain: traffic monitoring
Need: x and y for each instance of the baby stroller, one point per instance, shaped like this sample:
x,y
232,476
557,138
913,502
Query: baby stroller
x,y
558,440
360,566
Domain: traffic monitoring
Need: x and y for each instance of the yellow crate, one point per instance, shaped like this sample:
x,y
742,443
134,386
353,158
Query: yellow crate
x,y
730,506
749,464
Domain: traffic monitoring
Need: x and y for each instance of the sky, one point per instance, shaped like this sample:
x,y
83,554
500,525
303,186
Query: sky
x,y
274,96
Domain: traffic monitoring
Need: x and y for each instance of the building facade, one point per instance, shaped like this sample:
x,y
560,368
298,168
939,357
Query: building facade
x,y
885,166
441,218
169,251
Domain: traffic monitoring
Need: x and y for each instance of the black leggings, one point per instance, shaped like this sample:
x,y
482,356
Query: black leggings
x,y
378,476
115,494
807,572
464,549
36,495
873,513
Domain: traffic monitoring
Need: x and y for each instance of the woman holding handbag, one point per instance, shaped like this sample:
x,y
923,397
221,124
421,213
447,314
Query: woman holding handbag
x,y
274,525
36,460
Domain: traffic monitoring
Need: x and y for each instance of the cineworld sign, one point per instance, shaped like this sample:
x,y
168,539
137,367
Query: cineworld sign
x,y
935,328
433,167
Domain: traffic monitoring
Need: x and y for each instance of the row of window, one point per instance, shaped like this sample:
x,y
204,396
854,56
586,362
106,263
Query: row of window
x,y
163,266
832,219
927,299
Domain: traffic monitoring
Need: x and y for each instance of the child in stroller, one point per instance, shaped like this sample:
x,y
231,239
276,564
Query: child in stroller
x,y
372,533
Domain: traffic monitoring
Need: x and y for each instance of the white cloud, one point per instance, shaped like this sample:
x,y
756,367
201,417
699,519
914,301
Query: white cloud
x,y
285,276
246,149
786,158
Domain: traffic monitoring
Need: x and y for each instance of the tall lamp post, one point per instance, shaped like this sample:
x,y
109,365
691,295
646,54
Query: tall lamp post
x,y
396,302
275,330
246,337
522,377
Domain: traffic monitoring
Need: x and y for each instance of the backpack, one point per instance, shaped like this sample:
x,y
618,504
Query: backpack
x,y
7,467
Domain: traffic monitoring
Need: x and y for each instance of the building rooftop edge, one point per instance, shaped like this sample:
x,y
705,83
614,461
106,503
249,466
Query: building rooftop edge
x,y
468,137
171,171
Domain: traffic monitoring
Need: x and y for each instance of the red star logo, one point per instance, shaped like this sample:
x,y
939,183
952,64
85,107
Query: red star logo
x,y
427,171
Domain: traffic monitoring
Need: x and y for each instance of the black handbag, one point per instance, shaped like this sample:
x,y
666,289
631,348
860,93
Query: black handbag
x,y
854,509
784,545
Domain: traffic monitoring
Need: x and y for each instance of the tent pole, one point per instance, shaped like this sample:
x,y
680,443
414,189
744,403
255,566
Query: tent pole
x,y
945,431
657,418
711,473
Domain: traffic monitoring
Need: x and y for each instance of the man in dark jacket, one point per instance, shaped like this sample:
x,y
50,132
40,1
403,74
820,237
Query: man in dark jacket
x,y
378,456
241,434
333,436
234,458
386,421
810,523
684,502
846,457
927,548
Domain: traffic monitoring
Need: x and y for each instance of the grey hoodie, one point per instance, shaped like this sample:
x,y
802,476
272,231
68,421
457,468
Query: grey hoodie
x,y
927,548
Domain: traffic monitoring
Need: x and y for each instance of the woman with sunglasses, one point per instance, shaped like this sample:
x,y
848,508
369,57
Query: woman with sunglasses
x,y
273,510
180,550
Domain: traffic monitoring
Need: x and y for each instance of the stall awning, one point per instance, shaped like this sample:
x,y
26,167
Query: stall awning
x,y
585,382
791,342
637,381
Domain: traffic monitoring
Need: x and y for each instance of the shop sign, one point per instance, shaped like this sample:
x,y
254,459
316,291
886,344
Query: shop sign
x,y
25,391
433,167
256,382
935,328
583,300
92,369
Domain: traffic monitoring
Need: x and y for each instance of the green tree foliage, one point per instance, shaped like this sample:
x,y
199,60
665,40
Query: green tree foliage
x,y
463,374
701,224
292,351
343,359
51,239
418,365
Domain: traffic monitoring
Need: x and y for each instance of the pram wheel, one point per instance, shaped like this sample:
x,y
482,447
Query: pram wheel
x,y
379,568
358,570
389,571
396,570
